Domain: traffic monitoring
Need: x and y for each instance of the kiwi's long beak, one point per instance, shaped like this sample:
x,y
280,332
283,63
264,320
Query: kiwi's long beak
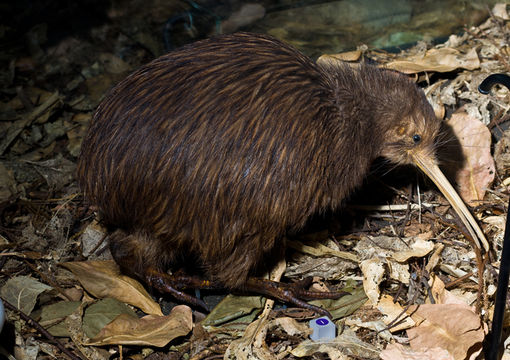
x,y
429,166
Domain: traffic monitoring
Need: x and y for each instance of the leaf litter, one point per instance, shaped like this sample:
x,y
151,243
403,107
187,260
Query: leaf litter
x,y
417,290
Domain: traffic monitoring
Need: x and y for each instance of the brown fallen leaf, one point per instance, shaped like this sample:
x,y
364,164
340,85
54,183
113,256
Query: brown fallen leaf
x,y
479,168
103,279
499,10
373,274
440,60
453,327
394,314
385,256
401,352
327,59
113,64
8,185
23,291
346,345
74,325
253,344
319,250
443,296
150,330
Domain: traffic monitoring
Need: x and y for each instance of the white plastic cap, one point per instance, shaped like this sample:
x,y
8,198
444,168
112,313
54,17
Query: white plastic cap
x,y
323,329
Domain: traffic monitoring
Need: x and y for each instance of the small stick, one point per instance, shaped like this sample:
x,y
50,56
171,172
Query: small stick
x,y
27,119
458,280
39,328
48,280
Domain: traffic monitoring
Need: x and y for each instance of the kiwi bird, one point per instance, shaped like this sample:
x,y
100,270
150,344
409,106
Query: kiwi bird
x,y
211,154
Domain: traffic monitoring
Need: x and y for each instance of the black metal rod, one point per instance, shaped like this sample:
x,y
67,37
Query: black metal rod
x,y
491,80
499,307
504,265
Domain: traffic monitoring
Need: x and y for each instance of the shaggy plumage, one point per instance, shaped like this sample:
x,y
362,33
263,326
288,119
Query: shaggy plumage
x,y
215,151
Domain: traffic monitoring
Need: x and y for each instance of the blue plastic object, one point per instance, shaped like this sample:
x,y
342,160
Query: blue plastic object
x,y
2,315
323,329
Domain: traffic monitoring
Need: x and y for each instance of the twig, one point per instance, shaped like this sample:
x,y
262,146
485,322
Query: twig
x,y
212,352
19,125
480,261
458,280
39,328
394,207
48,280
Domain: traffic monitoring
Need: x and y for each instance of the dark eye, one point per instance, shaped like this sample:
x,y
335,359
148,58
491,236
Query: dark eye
x,y
416,138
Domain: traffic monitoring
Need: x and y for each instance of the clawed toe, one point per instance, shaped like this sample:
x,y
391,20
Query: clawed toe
x,y
294,294
173,285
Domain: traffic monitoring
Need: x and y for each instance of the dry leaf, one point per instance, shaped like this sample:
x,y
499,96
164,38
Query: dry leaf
x,y
333,59
401,352
440,60
499,10
150,330
22,292
308,348
101,313
103,279
74,326
291,326
7,183
77,130
383,252
113,64
320,250
57,172
441,295
479,168
53,316
419,248
373,273
346,345
93,234
250,345
398,271
231,308
253,343
394,314
502,156
344,306
453,327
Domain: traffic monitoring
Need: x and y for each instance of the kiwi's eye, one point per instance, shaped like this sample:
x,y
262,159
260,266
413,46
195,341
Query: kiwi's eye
x,y
416,138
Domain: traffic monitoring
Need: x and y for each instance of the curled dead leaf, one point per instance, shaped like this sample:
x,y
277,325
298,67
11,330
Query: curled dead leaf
x,y
329,59
419,248
453,327
394,314
103,279
150,330
440,60
253,343
478,171
321,250
401,352
373,274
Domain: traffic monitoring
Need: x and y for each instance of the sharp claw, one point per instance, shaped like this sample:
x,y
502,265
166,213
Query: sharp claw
x,y
294,294
291,293
166,284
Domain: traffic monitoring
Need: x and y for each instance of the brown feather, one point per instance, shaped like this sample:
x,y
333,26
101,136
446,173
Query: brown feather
x,y
215,151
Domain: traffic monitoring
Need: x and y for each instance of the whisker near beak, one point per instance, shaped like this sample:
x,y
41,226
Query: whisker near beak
x,y
429,166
